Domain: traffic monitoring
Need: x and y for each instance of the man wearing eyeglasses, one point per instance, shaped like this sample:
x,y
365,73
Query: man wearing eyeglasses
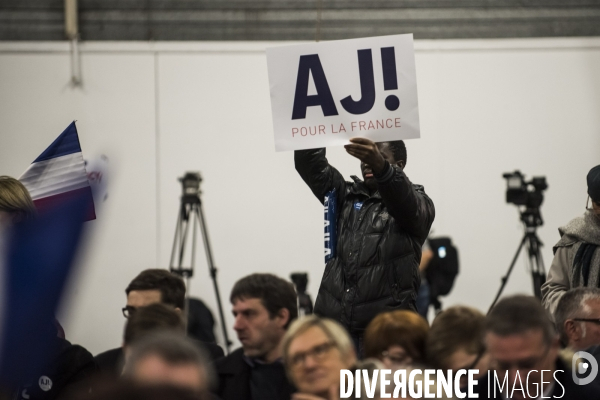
x,y
523,348
576,256
578,318
151,286
155,286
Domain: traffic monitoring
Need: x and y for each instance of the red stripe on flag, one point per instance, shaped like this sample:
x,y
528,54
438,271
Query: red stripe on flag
x,y
51,201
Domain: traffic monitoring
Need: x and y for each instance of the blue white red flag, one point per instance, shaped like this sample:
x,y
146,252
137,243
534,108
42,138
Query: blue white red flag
x,y
59,174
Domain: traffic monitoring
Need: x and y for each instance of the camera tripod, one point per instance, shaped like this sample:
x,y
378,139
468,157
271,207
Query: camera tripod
x,y
531,218
191,213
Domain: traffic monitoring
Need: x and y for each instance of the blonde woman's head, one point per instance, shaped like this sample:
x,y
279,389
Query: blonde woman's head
x,y
15,202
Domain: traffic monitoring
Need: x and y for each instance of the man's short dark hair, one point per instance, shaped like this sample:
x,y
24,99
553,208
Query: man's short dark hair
x,y
453,329
398,149
150,319
572,305
275,293
171,286
172,348
123,389
518,314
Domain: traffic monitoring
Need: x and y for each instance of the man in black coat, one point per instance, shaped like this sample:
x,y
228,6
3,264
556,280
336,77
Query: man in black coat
x,y
264,306
149,287
69,372
382,223
523,348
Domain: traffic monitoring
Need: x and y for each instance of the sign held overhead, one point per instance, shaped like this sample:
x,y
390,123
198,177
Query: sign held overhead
x,y
323,94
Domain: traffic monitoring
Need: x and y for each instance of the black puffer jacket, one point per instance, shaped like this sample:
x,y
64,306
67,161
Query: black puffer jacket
x,y
376,267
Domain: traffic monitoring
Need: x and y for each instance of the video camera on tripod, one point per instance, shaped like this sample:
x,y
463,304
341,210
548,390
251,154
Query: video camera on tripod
x,y
529,194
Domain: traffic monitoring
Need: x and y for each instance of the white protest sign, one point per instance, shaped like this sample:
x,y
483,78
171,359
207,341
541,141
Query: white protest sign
x,y
323,94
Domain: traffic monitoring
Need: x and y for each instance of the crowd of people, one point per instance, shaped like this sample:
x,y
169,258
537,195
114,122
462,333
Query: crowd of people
x,y
365,316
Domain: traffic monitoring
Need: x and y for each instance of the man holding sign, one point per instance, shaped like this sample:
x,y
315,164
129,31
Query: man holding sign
x,y
324,94
381,223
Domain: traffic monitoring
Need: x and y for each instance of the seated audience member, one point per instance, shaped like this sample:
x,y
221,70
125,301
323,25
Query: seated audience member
x,y
522,342
151,319
397,338
264,305
576,256
70,371
69,367
149,287
314,351
16,206
169,358
578,318
200,321
455,341
126,390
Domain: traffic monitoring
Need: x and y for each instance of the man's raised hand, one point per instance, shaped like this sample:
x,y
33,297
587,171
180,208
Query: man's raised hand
x,y
366,151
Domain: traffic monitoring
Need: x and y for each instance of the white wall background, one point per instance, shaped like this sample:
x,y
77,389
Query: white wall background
x,y
159,109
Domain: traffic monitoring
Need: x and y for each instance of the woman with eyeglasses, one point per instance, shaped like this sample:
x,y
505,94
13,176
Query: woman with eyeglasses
x,y
397,338
314,351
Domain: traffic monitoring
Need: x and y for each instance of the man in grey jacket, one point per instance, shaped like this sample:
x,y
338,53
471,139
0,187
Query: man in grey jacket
x,y
576,256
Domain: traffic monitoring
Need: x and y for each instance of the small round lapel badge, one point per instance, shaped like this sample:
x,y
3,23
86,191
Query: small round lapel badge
x,y
45,383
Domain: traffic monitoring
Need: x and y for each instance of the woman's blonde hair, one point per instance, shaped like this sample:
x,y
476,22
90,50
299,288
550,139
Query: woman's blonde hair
x,y
15,199
333,330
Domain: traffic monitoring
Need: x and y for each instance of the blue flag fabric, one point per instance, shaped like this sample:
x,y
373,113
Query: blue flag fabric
x,y
330,203
37,261
66,143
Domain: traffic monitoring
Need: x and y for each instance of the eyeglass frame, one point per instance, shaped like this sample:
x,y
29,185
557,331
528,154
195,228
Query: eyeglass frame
x,y
587,202
396,360
479,356
536,360
318,352
128,310
592,320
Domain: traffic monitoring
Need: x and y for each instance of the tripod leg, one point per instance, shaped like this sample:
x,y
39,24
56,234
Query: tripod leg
x,y
175,240
538,272
194,214
213,273
505,277
185,222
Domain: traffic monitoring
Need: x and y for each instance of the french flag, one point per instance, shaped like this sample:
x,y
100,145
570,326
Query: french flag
x,y
59,174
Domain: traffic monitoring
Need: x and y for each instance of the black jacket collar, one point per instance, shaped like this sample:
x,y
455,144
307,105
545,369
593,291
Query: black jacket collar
x,y
233,364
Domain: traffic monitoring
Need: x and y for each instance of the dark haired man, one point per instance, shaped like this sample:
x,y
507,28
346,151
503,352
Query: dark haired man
x,y
149,319
523,348
382,223
155,286
263,306
170,359
149,287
